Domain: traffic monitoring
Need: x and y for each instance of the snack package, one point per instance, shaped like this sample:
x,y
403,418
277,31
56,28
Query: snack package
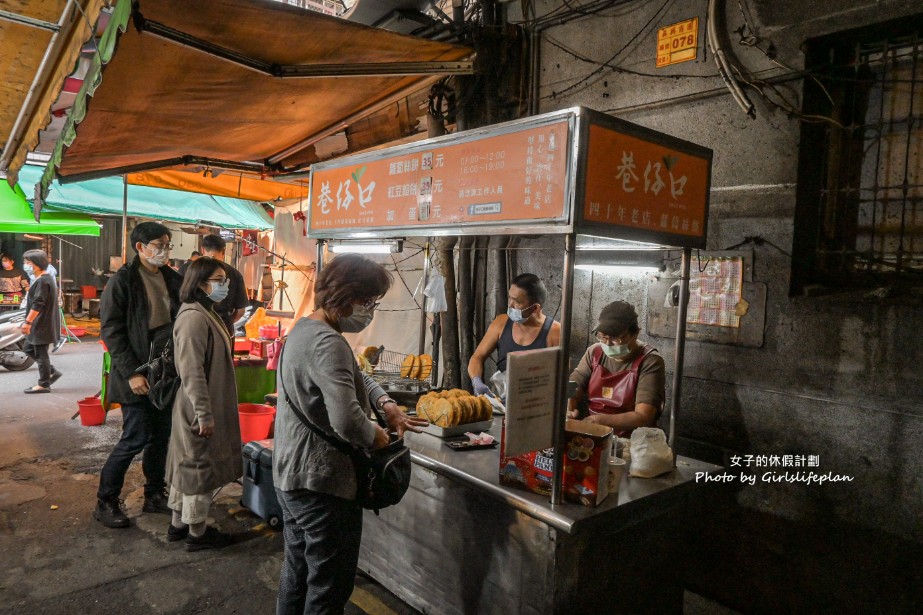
x,y
586,465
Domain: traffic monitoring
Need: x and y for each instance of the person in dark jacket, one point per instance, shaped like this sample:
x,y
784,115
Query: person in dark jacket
x,y
42,326
137,311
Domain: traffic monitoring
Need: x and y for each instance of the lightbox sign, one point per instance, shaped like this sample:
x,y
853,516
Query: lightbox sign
x,y
514,178
646,187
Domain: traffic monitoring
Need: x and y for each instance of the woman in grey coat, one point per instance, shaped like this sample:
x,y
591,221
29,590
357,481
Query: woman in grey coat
x,y
204,451
315,482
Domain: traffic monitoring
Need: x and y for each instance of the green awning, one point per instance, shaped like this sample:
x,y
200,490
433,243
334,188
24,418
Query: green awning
x,y
16,217
105,197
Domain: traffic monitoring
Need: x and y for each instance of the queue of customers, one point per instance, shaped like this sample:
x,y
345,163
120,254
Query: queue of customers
x,y
191,452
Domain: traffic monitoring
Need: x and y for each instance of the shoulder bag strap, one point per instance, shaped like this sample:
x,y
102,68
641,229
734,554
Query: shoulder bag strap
x,y
341,446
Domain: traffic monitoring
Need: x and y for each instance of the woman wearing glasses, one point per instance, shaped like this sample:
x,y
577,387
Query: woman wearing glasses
x,y
621,380
204,452
319,381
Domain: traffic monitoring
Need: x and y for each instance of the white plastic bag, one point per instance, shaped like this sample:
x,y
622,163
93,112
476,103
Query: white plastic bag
x,y
650,454
500,384
435,293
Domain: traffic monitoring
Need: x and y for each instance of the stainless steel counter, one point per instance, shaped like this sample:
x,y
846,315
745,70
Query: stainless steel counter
x,y
461,543
480,470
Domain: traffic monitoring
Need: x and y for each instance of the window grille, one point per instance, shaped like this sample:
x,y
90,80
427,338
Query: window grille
x,y
859,217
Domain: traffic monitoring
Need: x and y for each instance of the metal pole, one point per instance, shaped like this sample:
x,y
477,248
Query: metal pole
x,y
680,348
319,264
125,219
560,409
422,346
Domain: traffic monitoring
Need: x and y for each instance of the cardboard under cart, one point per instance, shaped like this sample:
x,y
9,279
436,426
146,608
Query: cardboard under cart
x,y
460,542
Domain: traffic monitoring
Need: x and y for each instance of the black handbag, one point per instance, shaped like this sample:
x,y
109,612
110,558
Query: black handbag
x,y
162,378
382,475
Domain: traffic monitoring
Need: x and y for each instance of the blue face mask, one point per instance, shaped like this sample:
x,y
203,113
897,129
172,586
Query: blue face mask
x,y
515,314
219,291
28,269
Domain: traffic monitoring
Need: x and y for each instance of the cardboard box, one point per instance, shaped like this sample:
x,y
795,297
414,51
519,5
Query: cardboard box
x,y
259,349
586,465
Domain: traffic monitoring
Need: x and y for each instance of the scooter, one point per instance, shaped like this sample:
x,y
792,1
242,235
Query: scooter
x,y
11,342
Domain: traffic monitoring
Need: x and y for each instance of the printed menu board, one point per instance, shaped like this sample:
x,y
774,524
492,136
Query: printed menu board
x,y
532,394
514,178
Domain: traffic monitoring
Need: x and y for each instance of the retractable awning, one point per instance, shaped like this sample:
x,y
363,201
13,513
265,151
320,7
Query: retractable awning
x,y
106,196
238,84
40,41
16,217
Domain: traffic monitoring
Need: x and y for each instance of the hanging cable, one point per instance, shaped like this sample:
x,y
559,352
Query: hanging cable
x,y
724,66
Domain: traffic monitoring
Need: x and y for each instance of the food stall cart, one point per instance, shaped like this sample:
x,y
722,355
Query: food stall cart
x,y
460,542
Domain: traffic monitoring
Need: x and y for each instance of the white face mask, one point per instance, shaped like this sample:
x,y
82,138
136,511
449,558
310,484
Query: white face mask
x,y
28,269
359,320
219,290
617,351
159,257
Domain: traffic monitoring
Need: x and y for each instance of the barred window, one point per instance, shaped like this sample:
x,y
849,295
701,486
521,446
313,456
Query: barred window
x,y
859,213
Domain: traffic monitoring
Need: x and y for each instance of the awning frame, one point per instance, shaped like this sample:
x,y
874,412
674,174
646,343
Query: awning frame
x,y
301,71
127,14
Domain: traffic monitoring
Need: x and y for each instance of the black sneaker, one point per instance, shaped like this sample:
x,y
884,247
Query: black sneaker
x,y
110,514
156,503
175,534
211,539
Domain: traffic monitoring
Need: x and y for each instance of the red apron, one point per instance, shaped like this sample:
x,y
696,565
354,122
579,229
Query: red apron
x,y
610,393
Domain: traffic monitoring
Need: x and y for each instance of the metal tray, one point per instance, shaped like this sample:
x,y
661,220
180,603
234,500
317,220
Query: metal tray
x,y
463,444
457,430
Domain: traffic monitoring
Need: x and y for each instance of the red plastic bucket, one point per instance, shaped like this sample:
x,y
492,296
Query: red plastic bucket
x,y
255,421
91,411
88,292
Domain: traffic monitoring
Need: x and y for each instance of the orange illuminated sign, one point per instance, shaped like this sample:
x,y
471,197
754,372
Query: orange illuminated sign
x,y
645,186
517,177
677,42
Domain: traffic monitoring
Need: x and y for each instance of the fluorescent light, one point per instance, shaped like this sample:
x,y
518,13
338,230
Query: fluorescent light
x,y
361,249
366,246
618,269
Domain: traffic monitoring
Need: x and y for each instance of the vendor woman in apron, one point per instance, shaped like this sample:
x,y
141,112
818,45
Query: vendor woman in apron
x,y
523,327
621,380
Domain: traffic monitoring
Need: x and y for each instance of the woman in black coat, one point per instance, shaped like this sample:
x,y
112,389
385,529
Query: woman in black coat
x,y
43,319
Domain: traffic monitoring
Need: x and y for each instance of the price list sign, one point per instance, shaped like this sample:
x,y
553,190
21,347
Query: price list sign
x,y
514,178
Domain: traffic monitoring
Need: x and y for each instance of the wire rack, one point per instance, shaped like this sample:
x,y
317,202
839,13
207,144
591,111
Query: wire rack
x,y
387,372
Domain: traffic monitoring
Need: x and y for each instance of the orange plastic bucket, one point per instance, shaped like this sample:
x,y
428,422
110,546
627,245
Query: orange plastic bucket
x,y
255,421
91,411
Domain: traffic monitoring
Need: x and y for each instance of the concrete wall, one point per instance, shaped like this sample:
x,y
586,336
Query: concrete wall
x,y
837,377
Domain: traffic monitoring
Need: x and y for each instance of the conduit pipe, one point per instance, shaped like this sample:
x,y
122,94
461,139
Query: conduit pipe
x,y
723,65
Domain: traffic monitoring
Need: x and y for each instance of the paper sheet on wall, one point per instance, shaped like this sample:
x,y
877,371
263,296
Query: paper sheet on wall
x,y
715,292
531,397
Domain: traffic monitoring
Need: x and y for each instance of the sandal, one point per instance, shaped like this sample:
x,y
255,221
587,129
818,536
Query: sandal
x,y
36,389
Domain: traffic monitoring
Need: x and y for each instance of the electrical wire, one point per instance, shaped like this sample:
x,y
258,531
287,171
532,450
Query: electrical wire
x,y
585,81
622,69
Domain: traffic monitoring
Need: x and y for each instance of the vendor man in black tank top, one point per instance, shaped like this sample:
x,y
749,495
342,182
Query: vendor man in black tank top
x,y
523,327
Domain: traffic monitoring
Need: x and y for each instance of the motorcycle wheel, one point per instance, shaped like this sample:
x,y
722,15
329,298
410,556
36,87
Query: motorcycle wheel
x,y
29,362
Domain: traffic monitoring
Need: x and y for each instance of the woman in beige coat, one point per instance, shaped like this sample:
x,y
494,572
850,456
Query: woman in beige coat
x,y
204,449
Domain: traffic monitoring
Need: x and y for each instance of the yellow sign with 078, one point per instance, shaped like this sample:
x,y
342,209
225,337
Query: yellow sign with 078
x,y
677,42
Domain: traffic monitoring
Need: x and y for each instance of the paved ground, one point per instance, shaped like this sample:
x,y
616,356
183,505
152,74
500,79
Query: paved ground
x,y
56,559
